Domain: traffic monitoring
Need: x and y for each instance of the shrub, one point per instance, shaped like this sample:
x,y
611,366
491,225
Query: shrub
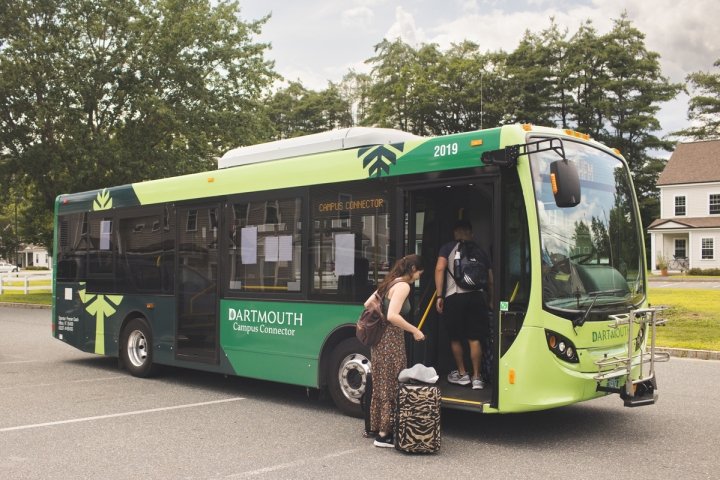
x,y
33,267
711,272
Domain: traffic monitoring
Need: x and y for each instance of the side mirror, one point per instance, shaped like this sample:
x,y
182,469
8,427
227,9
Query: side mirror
x,y
565,183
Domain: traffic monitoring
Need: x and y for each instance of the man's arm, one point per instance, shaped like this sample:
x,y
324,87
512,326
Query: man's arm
x,y
442,263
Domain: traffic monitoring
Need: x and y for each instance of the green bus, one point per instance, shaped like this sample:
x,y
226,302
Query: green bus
x,y
260,268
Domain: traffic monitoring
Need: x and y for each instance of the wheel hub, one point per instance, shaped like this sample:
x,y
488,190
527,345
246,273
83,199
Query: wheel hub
x,y
137,348
352,374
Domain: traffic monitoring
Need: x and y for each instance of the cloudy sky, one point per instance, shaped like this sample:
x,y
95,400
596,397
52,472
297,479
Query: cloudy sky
x,y
319,40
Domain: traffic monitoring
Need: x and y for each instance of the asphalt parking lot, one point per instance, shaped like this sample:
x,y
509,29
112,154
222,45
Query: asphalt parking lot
x,y
69,414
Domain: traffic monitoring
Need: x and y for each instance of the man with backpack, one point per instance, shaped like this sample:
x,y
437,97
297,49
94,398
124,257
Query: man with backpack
x,y
462,273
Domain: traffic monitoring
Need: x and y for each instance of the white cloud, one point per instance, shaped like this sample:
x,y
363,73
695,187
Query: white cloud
x,y
357,17
404,27
308,77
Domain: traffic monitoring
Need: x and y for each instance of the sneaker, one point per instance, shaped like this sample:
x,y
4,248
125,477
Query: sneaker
x,y
386,441
455,377
477,383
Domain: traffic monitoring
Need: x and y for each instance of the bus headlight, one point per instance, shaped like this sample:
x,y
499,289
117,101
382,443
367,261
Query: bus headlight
x,y
562,347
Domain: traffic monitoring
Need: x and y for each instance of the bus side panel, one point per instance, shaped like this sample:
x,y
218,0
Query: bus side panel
x,y
532,378
278,341
69,326
160,317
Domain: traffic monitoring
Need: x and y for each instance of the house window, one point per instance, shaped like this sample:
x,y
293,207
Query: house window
x,y
191,225
272,212
679,206
707,249
680,248
715,204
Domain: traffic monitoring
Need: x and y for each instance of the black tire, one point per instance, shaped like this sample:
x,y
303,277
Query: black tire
x,y
136,349
347,375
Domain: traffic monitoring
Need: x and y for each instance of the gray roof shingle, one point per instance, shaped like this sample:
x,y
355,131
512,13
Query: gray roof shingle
x,y
692,222
694,162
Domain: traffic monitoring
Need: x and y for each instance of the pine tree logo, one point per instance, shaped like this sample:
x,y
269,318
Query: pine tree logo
x,y
379,158
103,201
101,306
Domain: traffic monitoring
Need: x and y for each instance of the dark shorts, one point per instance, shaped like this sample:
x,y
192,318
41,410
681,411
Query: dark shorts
x,y
466,316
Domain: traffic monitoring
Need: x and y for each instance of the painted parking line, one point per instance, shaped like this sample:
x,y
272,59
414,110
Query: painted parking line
x,y
116,415
666,285
84,380
285,466
19,361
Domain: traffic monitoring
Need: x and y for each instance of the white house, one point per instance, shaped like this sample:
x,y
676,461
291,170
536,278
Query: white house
x,y
689,223
34,255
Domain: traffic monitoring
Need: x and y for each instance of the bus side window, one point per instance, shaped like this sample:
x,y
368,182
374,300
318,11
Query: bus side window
x,y
352,238
72,247
264,244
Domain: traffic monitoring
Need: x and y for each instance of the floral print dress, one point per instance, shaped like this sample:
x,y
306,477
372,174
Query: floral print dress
x,y
388,360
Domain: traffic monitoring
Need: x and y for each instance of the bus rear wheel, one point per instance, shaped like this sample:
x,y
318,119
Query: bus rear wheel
x,y
347,375
136,349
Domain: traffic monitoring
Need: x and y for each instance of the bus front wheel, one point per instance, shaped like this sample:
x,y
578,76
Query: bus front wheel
x,y
347,375
136,350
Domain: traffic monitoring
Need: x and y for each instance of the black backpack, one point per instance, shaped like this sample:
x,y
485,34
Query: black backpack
x,y
470,271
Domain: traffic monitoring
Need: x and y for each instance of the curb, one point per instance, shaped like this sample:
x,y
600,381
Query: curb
x,y
673,280
687,353
26,305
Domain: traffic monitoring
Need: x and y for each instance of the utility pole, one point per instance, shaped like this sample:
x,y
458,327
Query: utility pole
x,y
16,233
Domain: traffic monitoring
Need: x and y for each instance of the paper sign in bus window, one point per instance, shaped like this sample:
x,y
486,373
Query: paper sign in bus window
x,y
271,249
345,254
248,247
105,227
285,248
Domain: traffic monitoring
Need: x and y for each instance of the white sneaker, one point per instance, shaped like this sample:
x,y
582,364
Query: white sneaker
x,y
477,383
455,377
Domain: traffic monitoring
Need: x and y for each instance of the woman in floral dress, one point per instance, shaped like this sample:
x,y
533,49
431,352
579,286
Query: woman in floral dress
x,y
388,357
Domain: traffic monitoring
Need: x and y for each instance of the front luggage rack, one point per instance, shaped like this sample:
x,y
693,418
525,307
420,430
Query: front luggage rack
x,y
643,389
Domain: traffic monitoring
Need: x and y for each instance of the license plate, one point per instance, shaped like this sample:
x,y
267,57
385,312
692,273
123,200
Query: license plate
x,y
612,383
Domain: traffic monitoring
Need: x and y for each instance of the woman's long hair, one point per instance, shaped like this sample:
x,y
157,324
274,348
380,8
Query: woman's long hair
x,y
402,267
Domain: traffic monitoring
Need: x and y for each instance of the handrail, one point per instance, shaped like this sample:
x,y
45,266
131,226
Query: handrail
x,y
427,310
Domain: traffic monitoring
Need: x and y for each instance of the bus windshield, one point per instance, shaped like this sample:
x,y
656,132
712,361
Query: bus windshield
x,y
590,252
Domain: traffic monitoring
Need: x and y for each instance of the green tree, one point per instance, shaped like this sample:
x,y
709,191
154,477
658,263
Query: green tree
x,y
704,106
427,91
393,101
355,90
96,93
633,89
295,111
539,89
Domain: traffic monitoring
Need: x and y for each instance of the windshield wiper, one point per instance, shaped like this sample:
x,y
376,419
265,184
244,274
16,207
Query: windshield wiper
x,y
580,321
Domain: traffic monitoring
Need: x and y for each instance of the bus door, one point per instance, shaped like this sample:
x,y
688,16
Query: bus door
x,y
430,214
196,267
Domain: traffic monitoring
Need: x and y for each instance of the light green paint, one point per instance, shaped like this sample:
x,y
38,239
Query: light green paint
x,y
100,306
103,201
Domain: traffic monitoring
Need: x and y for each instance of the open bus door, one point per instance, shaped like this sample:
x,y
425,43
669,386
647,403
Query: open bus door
x,y
430,214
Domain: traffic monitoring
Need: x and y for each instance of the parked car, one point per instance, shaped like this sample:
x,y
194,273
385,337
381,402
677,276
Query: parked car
x,y
7,267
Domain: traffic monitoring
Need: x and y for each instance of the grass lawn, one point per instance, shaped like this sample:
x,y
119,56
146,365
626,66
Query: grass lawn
x,y
693,319
35,297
